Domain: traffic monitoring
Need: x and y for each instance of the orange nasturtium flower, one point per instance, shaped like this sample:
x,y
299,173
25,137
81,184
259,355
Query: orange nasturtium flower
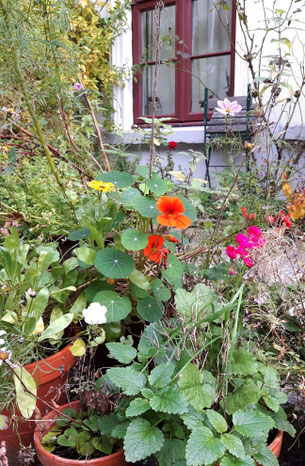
x,y
101,186
171,209
154,250
171,238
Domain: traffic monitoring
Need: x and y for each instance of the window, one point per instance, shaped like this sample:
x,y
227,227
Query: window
x,y
196,52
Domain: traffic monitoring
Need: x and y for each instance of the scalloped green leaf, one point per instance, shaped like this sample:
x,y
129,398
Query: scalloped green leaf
x,y
118,307
244,363
146,207
126,378
252,423
203,448
217,420
234,445
134,240
121,352
142,440
137,407
119,179
161,375
199,394
150,309
169,400
114,263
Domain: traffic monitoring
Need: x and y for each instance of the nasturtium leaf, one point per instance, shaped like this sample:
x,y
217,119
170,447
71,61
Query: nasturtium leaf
x,y
252,423
137,407
157,185
126,378
190,210
150,309
169,400
143,171
122,352
234,445
130,195
146,207
134,240
26,391
95,287
161,375
136,291
119,179
175,269
160,290
142,440
86,255
140,280
118,307
217,420
78,347
57,326
199,394
82,233
113,263
244,363
203,448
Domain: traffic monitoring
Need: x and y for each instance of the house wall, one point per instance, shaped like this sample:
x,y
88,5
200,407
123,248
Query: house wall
x,y
192,137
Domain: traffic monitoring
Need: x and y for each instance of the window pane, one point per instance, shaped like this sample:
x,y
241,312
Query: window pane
x,y
167,31
165,102
209,34
214,72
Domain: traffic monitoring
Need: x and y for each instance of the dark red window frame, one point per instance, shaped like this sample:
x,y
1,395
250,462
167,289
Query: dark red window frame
x,y
183,115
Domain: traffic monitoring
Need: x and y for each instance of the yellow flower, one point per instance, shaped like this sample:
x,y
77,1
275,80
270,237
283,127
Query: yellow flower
x,y
101,186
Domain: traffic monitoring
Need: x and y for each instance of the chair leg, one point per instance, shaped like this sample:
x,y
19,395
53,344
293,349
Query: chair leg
x,y
207,165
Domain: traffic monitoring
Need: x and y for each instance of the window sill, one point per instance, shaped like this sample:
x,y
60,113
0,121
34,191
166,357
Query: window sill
x,y
181,134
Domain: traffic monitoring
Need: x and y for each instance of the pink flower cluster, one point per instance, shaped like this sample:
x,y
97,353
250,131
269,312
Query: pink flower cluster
x,y
245,245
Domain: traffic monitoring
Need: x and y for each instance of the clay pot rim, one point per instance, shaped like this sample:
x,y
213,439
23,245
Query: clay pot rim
x,y
38,434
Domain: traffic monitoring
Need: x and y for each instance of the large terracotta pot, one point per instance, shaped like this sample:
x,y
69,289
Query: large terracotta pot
x,y
49,374
48,459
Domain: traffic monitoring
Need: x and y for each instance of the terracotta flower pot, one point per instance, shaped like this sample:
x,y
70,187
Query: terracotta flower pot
x,y
48,373
48,459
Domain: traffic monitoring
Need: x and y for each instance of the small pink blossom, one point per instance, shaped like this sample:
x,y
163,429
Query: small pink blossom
x,y
248,262
228,108
77,86
231,272
242,239
255,231
231,252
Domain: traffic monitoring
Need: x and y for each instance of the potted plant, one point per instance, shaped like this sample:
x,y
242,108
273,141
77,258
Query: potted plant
x,y
174,403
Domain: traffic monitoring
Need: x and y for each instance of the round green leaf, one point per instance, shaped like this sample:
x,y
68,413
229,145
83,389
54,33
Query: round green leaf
x,y
143,171
118,307
128,196
134,240
78,348
190,210
146,207
160,291
95,287
157,185
119,179
150,309
113,263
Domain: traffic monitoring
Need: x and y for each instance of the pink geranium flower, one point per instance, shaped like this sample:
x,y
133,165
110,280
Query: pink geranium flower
x,y
228,108
255,231
231,252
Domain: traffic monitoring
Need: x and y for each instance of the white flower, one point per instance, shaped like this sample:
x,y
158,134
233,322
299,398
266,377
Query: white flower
x,y
31,292
5,355
95,314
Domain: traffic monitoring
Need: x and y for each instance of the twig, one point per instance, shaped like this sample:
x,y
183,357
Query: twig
x,y
98,132
157,22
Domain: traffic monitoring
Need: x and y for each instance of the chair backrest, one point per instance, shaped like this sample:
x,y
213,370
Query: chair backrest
x,y
217,123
